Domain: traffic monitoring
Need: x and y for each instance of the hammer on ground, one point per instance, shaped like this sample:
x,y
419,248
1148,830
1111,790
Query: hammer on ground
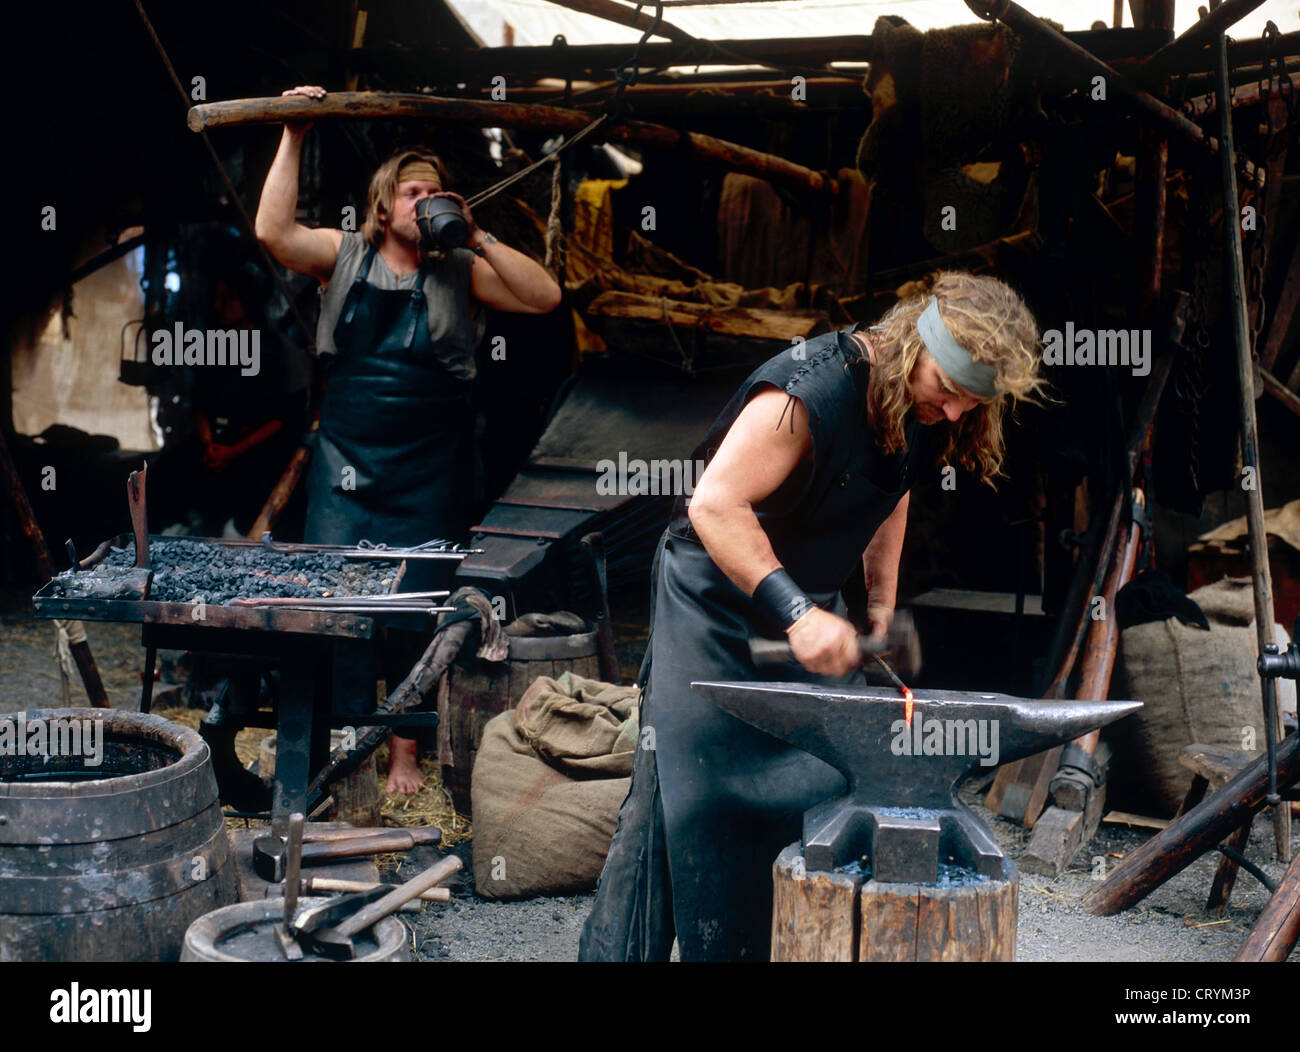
x,y
900,642
270,853
336,942
284,932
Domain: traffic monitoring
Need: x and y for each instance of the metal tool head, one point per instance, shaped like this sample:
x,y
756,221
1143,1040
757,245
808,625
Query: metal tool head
x,y
270,858
336,910
902,644
903,763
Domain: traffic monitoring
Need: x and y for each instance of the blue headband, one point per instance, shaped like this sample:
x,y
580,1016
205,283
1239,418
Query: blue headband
x,y
976,377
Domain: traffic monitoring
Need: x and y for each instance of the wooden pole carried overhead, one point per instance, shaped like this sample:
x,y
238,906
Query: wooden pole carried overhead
x,y
364,104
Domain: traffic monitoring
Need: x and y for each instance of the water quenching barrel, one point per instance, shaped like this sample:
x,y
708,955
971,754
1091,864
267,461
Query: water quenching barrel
x,y
107,861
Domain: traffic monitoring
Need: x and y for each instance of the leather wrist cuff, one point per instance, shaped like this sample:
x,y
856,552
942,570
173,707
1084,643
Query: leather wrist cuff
x,y
780,599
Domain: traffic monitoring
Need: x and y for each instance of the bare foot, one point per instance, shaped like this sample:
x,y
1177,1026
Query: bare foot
x,y
403,769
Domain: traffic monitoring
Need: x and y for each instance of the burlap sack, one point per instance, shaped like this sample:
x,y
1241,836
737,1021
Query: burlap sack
x,y
548,781
1197,687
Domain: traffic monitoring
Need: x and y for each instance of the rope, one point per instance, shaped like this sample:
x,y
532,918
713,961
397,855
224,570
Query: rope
x,y
556,249
271,264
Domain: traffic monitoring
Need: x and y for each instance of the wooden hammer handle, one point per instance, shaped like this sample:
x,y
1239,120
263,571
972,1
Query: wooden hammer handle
x,y
418,834
334,884
376,911
378,844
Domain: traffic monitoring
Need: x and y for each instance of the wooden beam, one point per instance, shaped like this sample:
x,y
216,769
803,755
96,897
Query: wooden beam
x,y
632,18
1198,36
1283,312
1277,928
1189,837
364,104
1278,390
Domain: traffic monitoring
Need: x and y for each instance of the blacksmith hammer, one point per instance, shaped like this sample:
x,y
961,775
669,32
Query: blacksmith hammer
x,y
900,642
270,853
336,942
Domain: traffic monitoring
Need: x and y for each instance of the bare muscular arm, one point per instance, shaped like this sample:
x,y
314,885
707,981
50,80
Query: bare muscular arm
x,y
755,457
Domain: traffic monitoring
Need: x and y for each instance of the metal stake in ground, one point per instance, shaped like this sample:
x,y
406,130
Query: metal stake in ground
x,y
289,944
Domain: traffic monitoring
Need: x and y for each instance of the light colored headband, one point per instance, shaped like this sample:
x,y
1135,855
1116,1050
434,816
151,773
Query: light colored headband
x,y
976,377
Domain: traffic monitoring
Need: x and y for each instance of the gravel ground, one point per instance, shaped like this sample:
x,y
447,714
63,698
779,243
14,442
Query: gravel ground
x,y
1170,924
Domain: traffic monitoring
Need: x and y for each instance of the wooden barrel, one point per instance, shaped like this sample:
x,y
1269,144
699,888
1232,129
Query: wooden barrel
x,y
820,916
488,688
109,861
246,932
358,798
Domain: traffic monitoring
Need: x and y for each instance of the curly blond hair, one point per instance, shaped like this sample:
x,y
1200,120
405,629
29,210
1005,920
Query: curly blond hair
x,y
988,319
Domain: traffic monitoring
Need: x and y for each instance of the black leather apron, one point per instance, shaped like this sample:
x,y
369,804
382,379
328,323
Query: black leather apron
x,y
732,797
398,419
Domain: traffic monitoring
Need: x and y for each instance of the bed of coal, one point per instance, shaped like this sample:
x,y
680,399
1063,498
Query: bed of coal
x,y
185,570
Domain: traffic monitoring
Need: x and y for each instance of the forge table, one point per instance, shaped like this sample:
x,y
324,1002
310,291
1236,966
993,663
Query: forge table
x,y
308,644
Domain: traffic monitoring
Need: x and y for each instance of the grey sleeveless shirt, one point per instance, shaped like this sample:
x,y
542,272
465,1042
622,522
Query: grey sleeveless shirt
x,y
455,334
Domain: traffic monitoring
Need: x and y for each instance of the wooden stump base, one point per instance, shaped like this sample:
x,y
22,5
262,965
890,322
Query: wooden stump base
x,y
820,916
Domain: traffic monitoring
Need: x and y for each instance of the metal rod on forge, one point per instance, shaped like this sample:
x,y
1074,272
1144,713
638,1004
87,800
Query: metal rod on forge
x,y
1260,574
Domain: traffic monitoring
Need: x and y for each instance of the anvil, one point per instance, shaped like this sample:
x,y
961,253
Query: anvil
x,y
901,809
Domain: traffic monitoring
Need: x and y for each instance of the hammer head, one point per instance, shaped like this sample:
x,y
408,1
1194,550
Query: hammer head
x,y
902,644
270,858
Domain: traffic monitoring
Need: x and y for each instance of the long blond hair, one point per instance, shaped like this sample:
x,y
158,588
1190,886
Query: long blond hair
x,y
989,320
383,189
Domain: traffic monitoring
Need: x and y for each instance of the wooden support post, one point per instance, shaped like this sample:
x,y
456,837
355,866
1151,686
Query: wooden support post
x,y
1261,575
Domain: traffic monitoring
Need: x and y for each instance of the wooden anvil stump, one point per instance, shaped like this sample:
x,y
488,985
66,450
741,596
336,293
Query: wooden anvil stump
x,y
820,915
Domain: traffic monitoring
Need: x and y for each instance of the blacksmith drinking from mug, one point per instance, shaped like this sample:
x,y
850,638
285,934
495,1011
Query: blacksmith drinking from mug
x,y
808,472
399,322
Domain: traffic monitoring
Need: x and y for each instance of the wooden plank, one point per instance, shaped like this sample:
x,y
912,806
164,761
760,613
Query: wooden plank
x,y
1215,763
1127,818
